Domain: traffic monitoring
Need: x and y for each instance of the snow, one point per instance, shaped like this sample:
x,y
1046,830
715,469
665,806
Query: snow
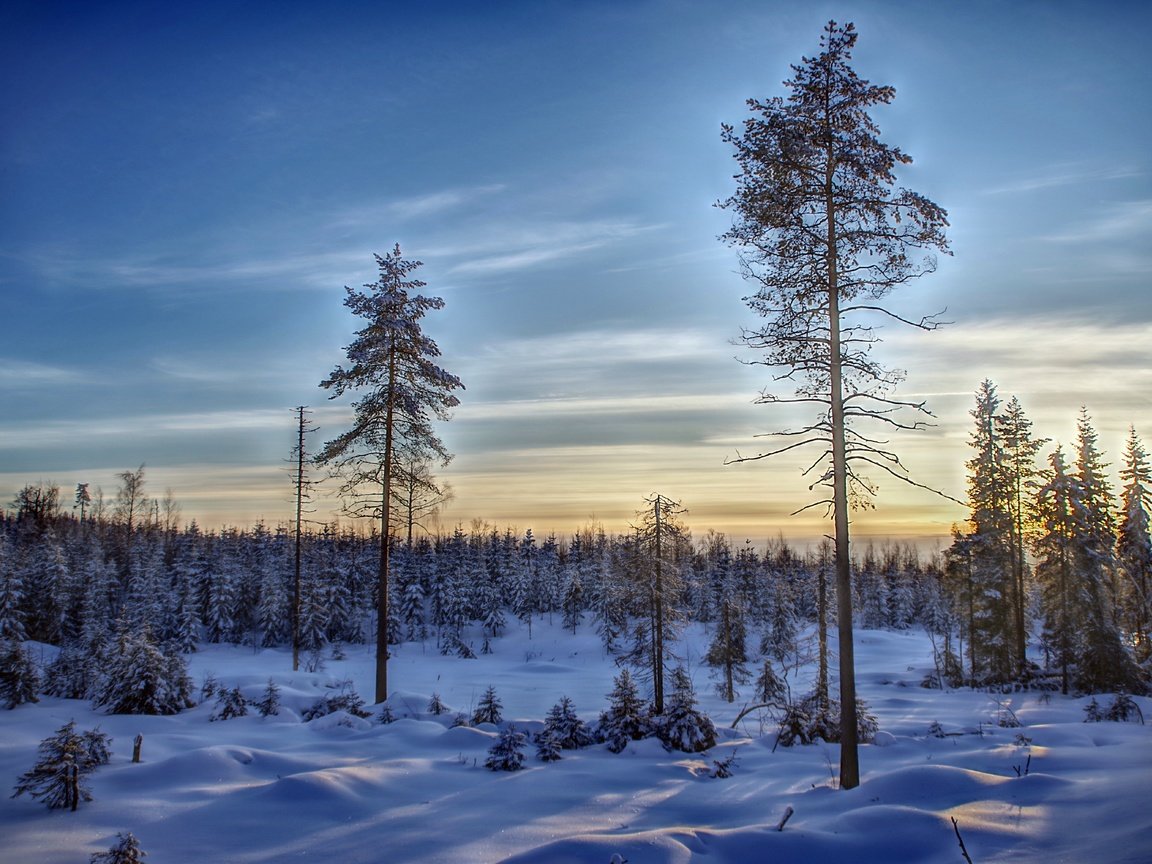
x,y
253,789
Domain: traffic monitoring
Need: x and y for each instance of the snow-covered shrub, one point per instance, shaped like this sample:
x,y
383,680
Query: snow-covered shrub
x,y
19,677
67,675
141,678
270,700
386,715
814,718
547,746
507,754
230,704
627,718
682,727
1092,712
570,732
489,709
436,706
346,699
209,688
769,688
724,767
459,720
126,851
66,759
1123,709
453,644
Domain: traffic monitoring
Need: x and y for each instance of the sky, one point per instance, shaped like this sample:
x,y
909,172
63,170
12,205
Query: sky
x,y
185,192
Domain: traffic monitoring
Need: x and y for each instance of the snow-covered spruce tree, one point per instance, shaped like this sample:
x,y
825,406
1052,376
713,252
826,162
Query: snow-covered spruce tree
x,y
727,652
344,699
392,363
126,851
825,239
19,677
1134,549
566,728
1054,548
507,754
488,711
547,746
1105,664
572,603
66,759
436,706
682,727
11,593
981,559
270,700
230,704
810,719
1021,480
141,678
627,718
66,676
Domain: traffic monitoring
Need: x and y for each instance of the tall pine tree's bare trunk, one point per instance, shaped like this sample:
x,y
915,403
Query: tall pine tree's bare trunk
x,y
849,755
385,539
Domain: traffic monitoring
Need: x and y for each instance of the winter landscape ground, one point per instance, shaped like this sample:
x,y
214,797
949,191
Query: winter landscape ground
x,y
341,788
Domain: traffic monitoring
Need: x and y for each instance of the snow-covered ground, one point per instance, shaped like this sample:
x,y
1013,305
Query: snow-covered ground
x,y
274,789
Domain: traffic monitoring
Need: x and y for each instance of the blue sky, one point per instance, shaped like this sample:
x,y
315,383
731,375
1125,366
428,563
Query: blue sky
x,y
185,192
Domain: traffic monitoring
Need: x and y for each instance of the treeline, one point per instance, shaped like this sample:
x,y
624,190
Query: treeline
x,y
1052,557
64,579
1047,584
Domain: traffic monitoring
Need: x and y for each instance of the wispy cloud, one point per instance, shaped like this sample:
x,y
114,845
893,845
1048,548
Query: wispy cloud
x,y
370,215
512,247
1061,174
1117,222
22,373
141,426
588,407
603,346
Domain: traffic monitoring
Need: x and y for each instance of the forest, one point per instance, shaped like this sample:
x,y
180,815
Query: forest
x,y
1046,586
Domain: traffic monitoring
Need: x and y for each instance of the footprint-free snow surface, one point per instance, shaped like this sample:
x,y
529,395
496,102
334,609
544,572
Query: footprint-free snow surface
x,y
350,790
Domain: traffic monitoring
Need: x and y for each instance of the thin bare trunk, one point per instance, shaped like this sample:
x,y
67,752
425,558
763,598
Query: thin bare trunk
x,y
385,538
849,756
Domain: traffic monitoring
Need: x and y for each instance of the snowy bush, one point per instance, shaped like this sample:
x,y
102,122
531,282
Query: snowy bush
x,y
488,711
141,678
19,677
435,706
1123,709
230,704
814,718
569,731
682,727
627,718
345,700
67,676
547,746
507,754
126,851
270,701
1092,712
65,760
723,768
